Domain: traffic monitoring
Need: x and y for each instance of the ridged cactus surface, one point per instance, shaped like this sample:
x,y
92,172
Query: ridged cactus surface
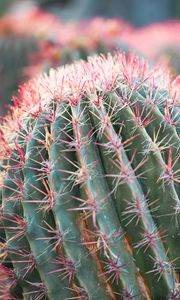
x,y
90,187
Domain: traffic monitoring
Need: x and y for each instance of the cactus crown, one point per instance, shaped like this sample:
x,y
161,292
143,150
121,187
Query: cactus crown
x,y
90,206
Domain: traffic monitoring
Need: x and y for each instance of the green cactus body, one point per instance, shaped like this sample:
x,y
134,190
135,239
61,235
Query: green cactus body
x,y
90,206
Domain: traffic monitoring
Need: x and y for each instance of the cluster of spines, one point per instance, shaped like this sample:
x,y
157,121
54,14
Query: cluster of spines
x,y
61,156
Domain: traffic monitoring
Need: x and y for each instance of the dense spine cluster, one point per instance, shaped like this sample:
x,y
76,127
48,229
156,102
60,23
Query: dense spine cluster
x,y
90,188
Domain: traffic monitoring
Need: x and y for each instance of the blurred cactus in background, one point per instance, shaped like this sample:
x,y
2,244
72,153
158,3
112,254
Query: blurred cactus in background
x,y
159,42
4,6
176,9
15,52
56,43
20,36
16,49
78,40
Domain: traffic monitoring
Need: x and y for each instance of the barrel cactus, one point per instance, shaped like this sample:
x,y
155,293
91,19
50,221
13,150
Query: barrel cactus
x,y
90,184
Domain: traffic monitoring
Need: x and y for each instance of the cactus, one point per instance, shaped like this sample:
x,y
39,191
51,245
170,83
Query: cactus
x,y
90,206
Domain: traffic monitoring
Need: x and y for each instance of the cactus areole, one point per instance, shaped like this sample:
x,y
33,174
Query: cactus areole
x,y
90,184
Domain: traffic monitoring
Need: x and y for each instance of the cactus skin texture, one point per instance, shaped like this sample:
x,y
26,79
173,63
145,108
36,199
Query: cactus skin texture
x,y
90,206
